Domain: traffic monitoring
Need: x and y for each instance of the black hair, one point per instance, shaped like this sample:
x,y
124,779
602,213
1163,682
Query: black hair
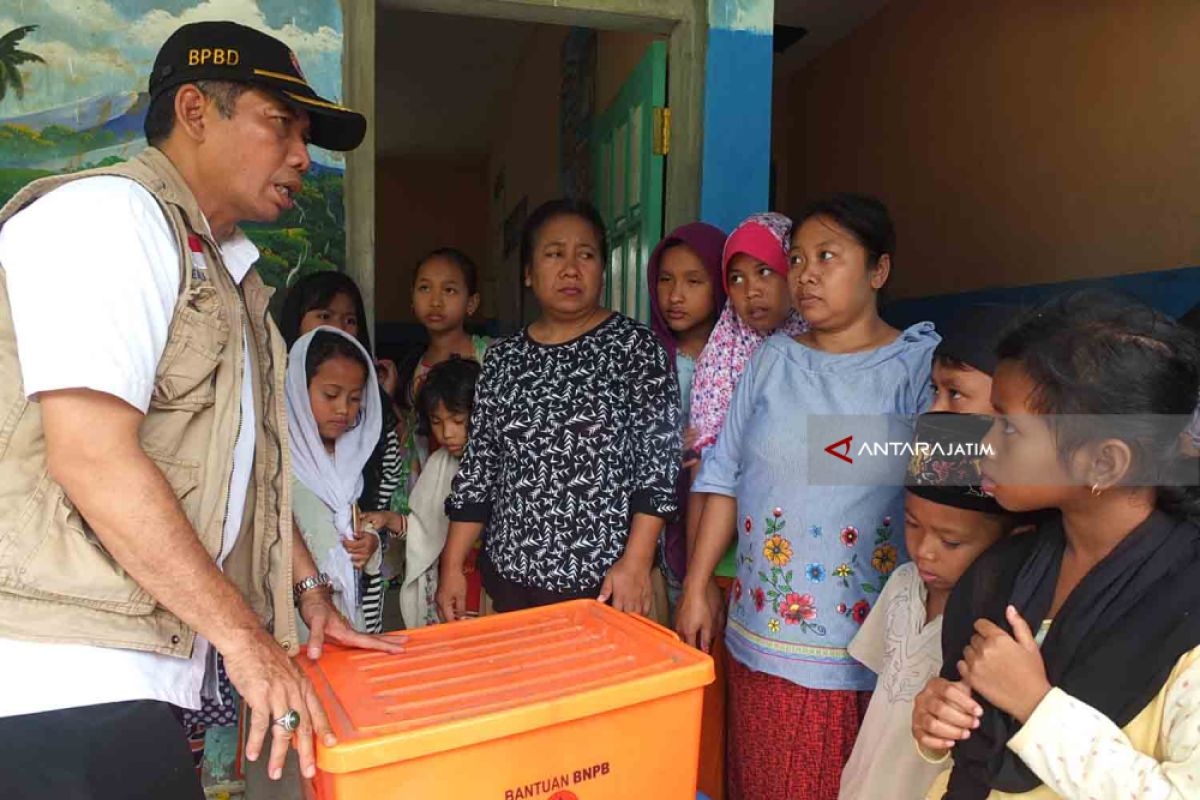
x,y
1096,352
950,362
317,290
459,259
160,115
451,383
326,345
563,207
866,218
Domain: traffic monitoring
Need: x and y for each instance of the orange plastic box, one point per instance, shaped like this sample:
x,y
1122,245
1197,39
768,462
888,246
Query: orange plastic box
x,y
569,702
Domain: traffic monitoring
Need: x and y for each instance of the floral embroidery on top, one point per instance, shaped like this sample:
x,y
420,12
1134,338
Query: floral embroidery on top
x,y
795,608
860,611
778,551
748,524
843,572
737,590
800,609
849,536
884,558
814,531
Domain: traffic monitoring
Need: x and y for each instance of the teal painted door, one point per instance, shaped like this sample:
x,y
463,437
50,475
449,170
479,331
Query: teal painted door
x,y
629,182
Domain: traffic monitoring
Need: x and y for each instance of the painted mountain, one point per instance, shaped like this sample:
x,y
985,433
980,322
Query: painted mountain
x,y
108,129
71,136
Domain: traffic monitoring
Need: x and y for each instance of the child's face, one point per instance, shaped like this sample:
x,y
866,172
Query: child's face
x,y
441,299
943,540
961,389
832,283
449,428
684,290
759,294
335,392
341,314
1022,468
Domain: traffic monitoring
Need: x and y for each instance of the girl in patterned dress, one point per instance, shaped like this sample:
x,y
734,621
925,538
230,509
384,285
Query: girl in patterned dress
x,y
814,546
1070,660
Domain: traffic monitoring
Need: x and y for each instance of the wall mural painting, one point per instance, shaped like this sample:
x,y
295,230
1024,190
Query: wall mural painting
x,y
73,79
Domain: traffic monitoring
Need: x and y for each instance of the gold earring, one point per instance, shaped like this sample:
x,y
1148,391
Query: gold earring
x,y
1096,490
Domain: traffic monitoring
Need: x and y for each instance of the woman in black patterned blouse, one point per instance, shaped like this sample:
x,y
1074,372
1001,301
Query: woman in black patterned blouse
x,y
574,444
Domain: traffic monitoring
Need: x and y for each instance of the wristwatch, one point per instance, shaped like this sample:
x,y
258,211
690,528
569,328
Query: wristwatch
x,y
317,581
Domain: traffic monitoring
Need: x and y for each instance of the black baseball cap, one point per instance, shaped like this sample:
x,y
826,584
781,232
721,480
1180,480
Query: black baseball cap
x,y
227,51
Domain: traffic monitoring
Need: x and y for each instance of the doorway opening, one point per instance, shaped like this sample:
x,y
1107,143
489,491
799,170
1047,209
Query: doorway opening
x,y
481,119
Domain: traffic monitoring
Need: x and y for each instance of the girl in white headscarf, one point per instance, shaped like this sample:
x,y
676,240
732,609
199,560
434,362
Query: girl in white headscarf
x,y
334,423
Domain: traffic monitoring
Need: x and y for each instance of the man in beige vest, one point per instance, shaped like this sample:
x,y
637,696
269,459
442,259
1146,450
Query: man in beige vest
x,y
144,468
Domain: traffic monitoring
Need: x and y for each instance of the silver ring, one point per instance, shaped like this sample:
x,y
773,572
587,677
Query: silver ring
x,y
289,721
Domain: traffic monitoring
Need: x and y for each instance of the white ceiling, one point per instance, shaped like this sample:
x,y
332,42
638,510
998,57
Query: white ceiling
x,y
441,78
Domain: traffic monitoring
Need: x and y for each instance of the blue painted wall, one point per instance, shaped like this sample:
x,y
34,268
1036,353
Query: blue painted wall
x,y
736,161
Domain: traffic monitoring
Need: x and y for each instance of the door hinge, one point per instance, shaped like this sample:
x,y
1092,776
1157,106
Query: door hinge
x,y
662,131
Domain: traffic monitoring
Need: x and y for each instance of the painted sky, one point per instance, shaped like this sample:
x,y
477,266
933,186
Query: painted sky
x,y
102,47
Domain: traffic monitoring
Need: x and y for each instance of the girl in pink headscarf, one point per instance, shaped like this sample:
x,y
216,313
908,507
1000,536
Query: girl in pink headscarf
x,y
755,269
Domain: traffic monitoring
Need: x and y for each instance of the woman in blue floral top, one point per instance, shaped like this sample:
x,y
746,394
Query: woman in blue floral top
x,y
812,558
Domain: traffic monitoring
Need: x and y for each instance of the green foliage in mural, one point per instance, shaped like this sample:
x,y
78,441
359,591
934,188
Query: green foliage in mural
x,y
11,60
13,178
20,143
309,238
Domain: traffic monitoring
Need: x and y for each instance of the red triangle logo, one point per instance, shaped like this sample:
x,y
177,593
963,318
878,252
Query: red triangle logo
x,y
844,444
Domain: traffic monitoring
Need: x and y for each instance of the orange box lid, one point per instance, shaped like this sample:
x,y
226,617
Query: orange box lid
x,y
497,676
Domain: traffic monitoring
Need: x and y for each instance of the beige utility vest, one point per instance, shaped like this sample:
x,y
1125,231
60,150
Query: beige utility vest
x,y
57,581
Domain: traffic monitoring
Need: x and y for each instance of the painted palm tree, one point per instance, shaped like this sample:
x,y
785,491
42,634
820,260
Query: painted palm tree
x,y
11,59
